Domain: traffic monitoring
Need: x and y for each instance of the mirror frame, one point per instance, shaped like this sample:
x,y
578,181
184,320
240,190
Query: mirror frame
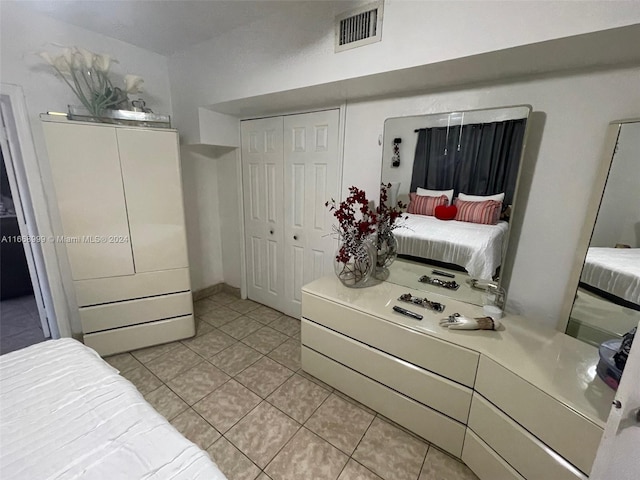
x,y
525,141
593,208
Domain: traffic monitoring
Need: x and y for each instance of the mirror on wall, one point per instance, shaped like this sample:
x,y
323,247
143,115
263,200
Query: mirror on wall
x,y
473,159
607,301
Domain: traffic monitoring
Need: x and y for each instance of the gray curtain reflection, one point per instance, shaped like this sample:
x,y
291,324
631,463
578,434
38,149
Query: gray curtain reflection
x,y
476,159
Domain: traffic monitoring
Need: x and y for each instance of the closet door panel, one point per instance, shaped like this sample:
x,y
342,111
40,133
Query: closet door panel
x,y
311,178
153,189
263,212
85,167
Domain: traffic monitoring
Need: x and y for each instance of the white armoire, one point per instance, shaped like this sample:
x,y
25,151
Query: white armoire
x,y
290,168
119,198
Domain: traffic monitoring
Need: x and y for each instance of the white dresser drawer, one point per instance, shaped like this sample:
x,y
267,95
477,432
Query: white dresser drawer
x,y
437,392
444,358
126,339
484,462
429,424
122,314
524,452
545,417
114,289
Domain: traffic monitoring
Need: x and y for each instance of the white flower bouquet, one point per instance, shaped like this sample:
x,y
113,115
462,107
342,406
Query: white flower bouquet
x,y
87,74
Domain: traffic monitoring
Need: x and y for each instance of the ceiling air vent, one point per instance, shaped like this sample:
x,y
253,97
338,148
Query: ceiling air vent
x,y
359,27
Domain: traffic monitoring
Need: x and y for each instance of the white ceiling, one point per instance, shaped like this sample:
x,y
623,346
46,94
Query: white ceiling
x,y
161,26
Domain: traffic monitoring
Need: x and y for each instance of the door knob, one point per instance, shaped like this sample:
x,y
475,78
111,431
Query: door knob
x,y
295,237
617,404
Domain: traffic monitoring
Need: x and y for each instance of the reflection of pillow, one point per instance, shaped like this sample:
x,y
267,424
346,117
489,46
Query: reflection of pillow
x,y
486,212
423,205
498,197
446,212
435,193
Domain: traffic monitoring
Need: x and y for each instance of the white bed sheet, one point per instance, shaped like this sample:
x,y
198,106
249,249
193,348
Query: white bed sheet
x,y
477,248
66,414
614,270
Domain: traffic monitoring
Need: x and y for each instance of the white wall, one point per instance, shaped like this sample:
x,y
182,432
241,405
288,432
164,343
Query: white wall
x,y
231,236
619,216
202,217
297,50
571,114
22,34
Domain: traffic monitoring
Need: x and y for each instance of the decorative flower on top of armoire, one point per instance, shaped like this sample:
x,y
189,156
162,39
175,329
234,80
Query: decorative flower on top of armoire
x,y
87,75
355,259
386,243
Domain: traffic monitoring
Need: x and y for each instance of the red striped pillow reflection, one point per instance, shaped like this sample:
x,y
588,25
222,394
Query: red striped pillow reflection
x,y
424,205
487,212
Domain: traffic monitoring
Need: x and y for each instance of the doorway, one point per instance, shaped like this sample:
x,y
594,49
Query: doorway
x,y
23,318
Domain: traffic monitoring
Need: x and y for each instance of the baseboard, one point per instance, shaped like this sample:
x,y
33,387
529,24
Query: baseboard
x,y
208,291
213,289
232,290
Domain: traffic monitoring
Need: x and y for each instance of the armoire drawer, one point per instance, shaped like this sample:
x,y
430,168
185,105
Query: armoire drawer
x,y
115,289
446,359
122,314
524,452
436,392
429,424
144,335
484,462
551,421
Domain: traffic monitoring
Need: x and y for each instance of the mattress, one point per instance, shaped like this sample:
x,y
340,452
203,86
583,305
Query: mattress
x,y
614,270
477,248
66,414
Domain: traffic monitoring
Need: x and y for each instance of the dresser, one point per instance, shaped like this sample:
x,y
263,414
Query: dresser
x,y
520,403
118,193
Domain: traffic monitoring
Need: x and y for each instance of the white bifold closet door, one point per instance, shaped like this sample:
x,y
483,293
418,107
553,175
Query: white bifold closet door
x,y
290,169
262,180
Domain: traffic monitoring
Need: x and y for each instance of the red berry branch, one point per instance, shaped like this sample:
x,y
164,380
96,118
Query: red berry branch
x,y
387,214
356,221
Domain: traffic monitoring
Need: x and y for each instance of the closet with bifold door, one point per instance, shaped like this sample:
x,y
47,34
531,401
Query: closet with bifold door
x,y
290,168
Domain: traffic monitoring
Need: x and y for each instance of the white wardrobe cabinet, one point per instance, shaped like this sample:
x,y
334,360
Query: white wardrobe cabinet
x,y
119,197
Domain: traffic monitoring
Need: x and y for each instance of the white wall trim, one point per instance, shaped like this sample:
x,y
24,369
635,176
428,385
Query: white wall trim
x,y
60,317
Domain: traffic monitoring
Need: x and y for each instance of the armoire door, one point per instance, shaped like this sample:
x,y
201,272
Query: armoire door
x,y
262,177
85,166
311,178
153,189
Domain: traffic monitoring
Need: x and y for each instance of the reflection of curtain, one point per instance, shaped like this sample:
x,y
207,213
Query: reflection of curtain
x,y
487,162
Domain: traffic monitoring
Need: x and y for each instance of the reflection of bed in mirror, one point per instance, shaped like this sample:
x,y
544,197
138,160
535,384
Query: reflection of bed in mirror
x,y
615,272
476,153
606,304
476,247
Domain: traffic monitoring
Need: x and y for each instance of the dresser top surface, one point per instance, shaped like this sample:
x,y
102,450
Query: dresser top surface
x,y
559,365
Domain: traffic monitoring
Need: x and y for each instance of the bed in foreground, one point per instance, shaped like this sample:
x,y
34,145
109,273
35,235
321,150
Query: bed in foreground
x,y
66,414
476,247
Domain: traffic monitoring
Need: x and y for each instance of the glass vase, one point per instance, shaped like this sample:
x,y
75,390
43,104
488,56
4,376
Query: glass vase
x,y
387,249
355,264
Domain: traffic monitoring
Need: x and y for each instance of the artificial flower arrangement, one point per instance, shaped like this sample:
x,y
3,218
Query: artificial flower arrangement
x,y
87,74
356,257
356,223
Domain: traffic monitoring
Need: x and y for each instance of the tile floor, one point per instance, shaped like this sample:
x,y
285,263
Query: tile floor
x,y
19,324
237,390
